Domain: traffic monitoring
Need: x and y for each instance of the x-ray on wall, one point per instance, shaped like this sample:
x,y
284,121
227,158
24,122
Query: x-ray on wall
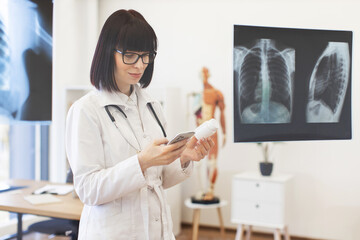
x,y
291,84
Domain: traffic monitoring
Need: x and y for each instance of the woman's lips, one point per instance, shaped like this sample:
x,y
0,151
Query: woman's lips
x,y
135,75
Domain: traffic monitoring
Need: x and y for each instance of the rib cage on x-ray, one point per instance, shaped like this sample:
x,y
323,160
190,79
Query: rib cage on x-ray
x,y
6,106
328,84
4,58
25,60
264,80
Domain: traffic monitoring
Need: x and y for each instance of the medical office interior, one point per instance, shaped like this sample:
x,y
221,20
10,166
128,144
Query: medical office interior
x,y
323,192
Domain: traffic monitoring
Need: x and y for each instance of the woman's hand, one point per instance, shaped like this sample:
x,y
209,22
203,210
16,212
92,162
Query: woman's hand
x,y
157,153
196,150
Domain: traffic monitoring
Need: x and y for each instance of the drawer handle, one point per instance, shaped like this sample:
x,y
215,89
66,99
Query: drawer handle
x,y
257,206
257,185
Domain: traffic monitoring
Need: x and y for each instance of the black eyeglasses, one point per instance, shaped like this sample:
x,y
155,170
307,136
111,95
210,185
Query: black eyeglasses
x,y
132,58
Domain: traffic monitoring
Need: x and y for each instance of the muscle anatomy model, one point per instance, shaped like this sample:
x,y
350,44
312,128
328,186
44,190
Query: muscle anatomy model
x,y
212,99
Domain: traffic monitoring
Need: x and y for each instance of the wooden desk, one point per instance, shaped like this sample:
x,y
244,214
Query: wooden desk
x,y
13,201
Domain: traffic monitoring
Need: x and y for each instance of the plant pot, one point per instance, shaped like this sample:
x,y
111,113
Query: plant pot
x,y
266,168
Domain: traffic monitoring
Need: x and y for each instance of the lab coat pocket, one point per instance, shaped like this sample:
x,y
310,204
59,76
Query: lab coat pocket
x,y
118,205
107,215
107,210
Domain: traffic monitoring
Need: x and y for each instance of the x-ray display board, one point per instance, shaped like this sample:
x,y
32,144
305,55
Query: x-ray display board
x,y
291,84
25,60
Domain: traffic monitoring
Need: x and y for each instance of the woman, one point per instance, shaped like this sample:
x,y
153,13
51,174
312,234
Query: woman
x,y
116,140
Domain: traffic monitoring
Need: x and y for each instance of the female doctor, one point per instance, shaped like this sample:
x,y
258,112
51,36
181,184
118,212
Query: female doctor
x,y
116,140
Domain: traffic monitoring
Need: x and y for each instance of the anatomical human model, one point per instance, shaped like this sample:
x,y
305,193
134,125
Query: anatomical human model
x,y
211,100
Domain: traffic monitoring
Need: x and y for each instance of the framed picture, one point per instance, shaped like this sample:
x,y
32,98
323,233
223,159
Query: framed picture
x,y
291,84
26,61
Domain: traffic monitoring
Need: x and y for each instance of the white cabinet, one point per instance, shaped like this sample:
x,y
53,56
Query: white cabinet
x,y
260,201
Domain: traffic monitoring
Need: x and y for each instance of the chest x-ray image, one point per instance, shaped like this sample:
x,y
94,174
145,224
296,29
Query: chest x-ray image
x,y
264,76
6,106
25,60
328,84
291,84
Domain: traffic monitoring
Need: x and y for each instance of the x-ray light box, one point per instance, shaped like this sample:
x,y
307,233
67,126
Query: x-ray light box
x,y
291,84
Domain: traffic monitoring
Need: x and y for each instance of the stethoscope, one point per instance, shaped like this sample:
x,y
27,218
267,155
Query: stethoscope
x,y
125,116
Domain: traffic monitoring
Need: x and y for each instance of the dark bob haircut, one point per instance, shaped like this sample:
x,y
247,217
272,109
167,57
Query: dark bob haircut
x,y
126,30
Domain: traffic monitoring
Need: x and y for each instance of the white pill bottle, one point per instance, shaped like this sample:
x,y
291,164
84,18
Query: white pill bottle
x,y
206,129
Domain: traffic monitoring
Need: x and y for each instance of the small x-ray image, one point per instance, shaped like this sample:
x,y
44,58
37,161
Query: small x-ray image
x,y
328,83
291,84
25,60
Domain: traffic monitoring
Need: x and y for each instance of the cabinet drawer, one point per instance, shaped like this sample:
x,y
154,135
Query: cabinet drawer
x,y
252,211
258,190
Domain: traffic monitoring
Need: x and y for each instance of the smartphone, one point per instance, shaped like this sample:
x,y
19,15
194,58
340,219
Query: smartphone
x,y
181,136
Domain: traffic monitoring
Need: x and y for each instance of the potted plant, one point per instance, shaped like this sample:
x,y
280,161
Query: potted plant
x,y
266,166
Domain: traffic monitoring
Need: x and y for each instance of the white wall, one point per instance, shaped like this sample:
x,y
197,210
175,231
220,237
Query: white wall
x,y
192,34
75,32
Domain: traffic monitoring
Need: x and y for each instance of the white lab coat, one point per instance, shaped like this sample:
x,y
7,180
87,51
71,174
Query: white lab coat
x,y
107,175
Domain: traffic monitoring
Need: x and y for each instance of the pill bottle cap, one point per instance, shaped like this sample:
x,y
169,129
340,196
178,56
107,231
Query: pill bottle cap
x,y
213,124
206,129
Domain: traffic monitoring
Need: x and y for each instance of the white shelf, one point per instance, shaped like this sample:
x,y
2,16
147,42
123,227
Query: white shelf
x,y
258,177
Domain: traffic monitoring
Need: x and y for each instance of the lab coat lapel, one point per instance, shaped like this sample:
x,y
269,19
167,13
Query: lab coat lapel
x,y
122,123
124,127
143,100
